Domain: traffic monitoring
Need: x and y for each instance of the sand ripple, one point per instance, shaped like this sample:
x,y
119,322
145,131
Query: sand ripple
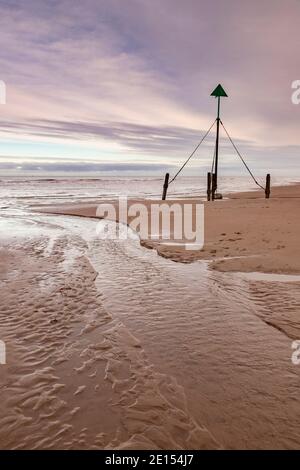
x,y
76,377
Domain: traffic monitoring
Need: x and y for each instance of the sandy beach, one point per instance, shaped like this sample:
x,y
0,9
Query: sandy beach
x,y
254,233
135,312
75,376
110,346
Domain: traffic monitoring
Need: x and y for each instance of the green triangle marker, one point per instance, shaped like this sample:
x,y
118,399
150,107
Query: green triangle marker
x,y
219,91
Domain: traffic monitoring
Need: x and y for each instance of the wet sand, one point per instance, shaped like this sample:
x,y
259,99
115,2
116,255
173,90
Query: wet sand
x,y
111,346
76,377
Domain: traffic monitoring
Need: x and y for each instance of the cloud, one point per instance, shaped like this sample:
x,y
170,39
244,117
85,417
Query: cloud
x,y
142,138
136,75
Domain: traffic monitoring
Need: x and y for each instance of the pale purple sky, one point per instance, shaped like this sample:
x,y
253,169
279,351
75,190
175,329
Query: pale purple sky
x,y
125,84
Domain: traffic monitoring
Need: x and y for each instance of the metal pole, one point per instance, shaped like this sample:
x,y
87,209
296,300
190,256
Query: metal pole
x,y
208,186
219,93
217,149
213,176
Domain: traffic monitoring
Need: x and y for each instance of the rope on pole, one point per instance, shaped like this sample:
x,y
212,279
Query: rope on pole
x,y
237,151
193,153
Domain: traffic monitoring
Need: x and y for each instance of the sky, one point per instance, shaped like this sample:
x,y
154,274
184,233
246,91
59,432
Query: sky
x,y
123,86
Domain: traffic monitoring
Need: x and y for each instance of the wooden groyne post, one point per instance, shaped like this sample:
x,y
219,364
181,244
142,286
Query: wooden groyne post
x,y
166,185
268,186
